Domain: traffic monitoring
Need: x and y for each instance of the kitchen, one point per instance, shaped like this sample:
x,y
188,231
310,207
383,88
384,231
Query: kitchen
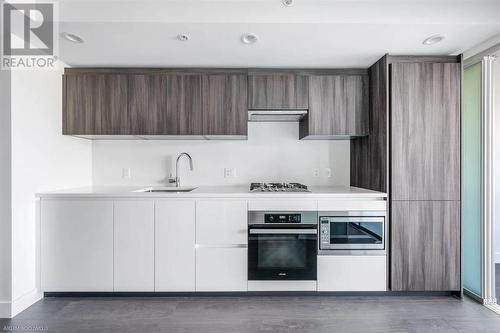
x,y
237,179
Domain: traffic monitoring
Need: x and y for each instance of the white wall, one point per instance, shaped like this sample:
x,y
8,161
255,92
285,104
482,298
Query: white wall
x,y
42,160
5,195
273,152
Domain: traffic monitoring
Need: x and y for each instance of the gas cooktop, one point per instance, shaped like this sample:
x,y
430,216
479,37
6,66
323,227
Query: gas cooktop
x,y
278,187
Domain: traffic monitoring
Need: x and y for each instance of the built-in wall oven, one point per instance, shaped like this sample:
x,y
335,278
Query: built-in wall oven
x,y
352,232
282,246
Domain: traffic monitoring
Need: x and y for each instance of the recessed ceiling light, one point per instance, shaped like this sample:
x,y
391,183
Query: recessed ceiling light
x,y
72,38
249,38
287,3
433,39
183,37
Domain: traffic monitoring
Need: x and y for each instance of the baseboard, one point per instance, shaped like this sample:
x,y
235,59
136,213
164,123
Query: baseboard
x,y
25,301
493,307
5,308
153,294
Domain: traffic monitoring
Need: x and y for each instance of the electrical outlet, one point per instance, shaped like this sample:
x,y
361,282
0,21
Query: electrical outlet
x,y
126,173
316,173
328,172
229,173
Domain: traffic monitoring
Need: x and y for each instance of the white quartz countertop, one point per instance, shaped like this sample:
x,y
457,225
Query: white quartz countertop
x,y
212,191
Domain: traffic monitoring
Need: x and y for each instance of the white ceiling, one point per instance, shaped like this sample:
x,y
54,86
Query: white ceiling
x,y
311,33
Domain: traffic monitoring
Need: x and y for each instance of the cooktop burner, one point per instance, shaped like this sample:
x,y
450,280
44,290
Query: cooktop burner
x,y
278,187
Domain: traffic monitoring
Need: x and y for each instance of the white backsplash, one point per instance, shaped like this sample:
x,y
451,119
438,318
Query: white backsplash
x,y
273,152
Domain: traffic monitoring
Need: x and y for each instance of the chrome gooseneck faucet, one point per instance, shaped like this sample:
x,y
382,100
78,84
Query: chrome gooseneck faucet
x,y
177,179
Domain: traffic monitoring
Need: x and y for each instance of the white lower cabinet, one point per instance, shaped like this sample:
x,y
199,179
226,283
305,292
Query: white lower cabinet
x,y
221,222
122,244
76,245
174,245
134,245
221,269
352,273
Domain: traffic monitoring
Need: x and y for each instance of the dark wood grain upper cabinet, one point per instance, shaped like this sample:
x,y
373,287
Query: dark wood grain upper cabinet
x,y
144,103
338,106
277,91
225,110
95,104
425,131
165,104
425,246
182,98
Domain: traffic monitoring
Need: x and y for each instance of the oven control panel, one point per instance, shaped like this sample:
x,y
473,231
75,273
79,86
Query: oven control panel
x,y
282,218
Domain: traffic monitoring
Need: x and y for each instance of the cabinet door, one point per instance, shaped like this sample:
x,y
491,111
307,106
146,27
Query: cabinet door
x,y
134,245
221,222
181,102
277,91
221,269
425,131
144,103
165,104
95,104
174,245
225,109
76,245
338,105
425,246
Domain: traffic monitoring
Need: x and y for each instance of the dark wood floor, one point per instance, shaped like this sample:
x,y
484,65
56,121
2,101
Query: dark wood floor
x,y
256,314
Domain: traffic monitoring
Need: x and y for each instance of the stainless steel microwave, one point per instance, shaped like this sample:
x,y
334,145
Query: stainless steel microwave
x,y
346,232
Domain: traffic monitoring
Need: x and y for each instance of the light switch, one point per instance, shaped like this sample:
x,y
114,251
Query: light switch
x,y
126,173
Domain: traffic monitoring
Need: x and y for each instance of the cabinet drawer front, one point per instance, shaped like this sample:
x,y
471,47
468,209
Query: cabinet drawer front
x,y
352,273
221,222
353,204
283,205
174,245
221,269
425,137
134,245
425,245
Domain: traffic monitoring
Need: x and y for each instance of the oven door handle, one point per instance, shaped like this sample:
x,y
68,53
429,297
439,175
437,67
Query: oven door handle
x,y
284,231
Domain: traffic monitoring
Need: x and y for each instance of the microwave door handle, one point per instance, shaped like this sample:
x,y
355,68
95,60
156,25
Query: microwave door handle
x,y
284,231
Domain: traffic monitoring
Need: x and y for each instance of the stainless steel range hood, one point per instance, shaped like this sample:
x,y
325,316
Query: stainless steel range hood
x,y
275,115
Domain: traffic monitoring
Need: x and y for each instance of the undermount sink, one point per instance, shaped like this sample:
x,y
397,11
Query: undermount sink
x,y
166,189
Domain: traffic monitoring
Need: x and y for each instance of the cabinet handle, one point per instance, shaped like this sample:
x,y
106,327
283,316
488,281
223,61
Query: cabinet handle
x,y
228,246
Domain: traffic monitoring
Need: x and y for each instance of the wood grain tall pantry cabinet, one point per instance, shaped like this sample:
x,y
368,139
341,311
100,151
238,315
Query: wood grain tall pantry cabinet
x,y
414,153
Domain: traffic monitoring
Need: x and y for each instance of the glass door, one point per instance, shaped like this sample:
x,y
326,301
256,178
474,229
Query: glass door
x,y
496,114
471,197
